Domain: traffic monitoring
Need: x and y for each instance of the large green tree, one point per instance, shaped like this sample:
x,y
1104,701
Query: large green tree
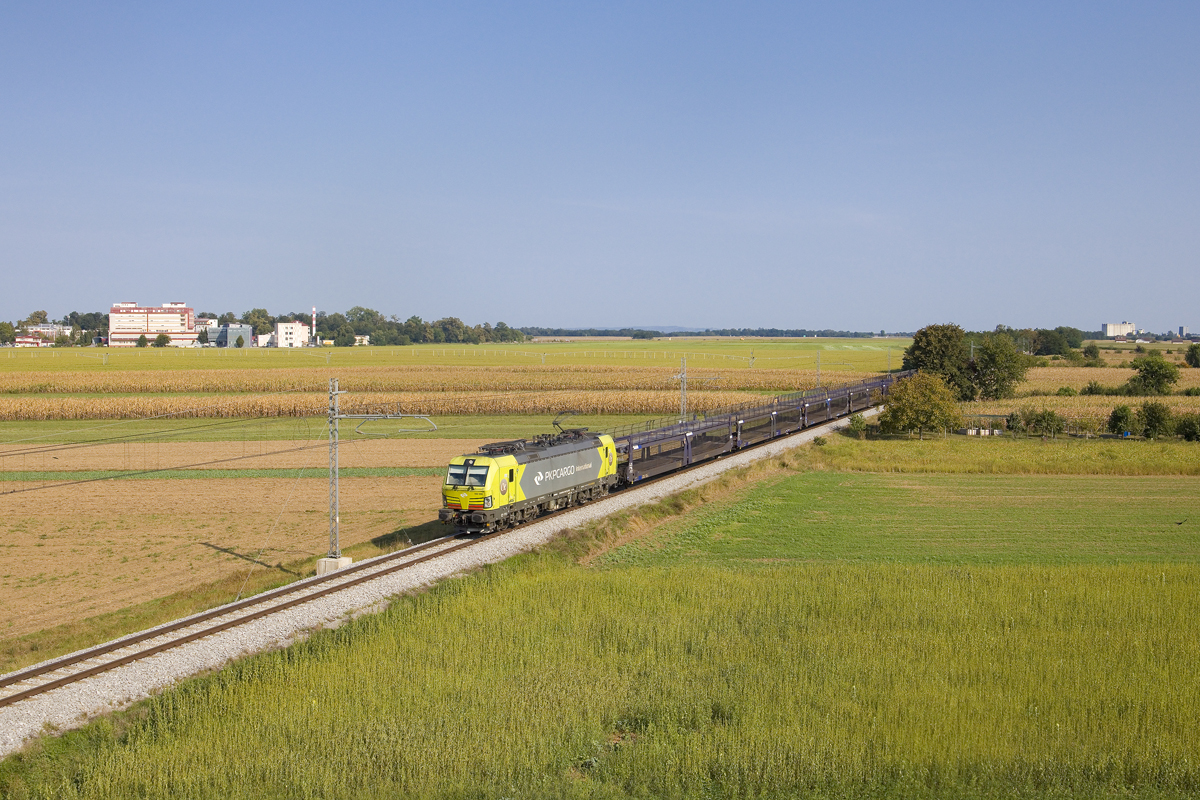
x,y
942,349
1122,421
1050,343
920,403
1155,375
260,319
1155,419
8,333
1192,357
998,367
35,318
365,320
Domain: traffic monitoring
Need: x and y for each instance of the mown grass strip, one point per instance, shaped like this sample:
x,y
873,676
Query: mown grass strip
x,y
208,474
1003,456
253,429
916,519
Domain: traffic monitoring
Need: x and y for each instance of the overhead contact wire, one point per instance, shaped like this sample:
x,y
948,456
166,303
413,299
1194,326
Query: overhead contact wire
x,y
138,473
193,409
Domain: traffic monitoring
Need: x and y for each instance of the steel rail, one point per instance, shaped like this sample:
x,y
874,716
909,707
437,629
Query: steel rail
x,y
233,623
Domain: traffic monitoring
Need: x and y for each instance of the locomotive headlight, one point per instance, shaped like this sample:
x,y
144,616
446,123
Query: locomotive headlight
x,y
487,502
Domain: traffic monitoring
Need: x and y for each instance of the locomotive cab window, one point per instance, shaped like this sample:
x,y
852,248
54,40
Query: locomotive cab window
x,y
462,475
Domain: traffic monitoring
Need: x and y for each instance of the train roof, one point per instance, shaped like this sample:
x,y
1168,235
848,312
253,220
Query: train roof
x,y
542,446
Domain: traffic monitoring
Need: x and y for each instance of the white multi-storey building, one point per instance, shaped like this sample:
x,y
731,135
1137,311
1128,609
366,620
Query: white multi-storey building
x,y
127,322
1111,329
290,334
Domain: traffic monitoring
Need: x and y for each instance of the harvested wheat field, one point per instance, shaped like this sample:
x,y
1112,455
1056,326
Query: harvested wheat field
x,y
266,454
80,551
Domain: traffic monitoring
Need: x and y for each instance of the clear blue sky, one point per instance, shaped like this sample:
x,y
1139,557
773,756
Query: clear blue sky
x,y
857,166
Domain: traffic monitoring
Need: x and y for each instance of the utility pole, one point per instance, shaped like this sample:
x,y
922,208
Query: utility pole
x,y
682,378
334,560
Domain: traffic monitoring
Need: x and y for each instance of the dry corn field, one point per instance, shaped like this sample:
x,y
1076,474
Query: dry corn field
x,y
599,389
1051,379
410,379
1084,410
591,389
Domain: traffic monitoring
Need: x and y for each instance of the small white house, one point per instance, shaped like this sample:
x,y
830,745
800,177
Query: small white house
x,y
290,334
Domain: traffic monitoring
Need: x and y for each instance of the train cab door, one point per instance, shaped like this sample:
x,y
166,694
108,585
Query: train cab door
x,y
512,485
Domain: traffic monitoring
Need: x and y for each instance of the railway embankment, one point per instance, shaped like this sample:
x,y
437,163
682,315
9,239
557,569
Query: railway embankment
x,y
73,704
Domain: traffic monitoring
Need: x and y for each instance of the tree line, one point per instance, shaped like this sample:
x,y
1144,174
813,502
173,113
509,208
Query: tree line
x,y
383,330
81,327
956,366
341,328
988,366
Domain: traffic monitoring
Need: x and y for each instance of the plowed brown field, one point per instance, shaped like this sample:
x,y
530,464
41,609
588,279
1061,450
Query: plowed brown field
x,y
249,455
84,550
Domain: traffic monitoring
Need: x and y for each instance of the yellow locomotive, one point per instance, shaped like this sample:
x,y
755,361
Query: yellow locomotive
x,y
510,482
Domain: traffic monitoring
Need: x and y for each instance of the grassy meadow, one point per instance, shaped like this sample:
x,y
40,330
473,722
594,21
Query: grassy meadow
x,y
1020,624
831,680
870,355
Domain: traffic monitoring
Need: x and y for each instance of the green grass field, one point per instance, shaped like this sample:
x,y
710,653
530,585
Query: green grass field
x,y
1006,456
858,354
935,518
515,426
812,631
827,680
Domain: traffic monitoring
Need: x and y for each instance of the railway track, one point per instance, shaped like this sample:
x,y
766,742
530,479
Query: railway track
x,y
60,672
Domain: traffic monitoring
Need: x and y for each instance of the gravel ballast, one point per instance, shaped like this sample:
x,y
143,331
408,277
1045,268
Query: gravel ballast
x,y
72,706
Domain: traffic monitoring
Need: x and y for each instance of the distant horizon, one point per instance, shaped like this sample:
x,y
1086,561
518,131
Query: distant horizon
x,y
664,329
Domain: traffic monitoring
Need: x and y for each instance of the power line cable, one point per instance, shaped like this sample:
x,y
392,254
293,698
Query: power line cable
x,y
164,469
267,539
41,449
34,450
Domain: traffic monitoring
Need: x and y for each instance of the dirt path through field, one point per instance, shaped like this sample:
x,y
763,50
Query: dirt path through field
x,y
78,551
248,455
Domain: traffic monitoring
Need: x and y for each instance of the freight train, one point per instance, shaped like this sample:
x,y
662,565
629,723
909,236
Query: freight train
x,y
507,483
